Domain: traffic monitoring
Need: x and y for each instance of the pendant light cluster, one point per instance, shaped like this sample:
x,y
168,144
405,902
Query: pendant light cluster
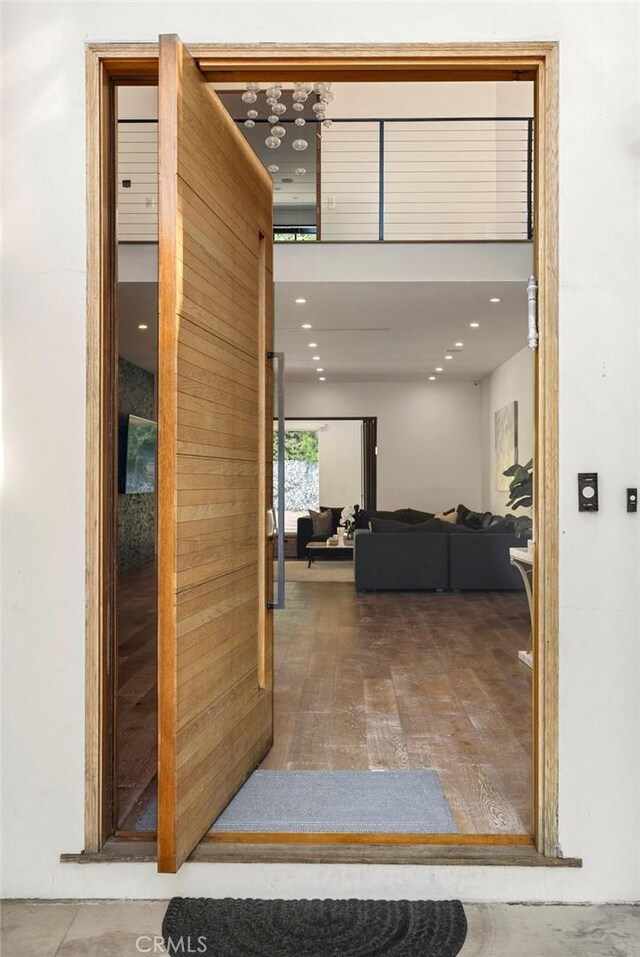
x,y
276,108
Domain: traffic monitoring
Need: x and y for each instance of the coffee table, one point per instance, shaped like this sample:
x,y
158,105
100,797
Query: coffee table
x,y
326,552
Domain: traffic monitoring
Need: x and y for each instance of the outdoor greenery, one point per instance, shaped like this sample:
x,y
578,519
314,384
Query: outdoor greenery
x,y
298,446
521,485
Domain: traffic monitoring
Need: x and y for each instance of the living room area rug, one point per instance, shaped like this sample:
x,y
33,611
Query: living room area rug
x,y
297,570
315,928
354,802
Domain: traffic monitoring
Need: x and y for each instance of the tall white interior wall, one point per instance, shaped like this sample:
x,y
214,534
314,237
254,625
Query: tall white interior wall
x,y
44,340
513,381
340,463
429,436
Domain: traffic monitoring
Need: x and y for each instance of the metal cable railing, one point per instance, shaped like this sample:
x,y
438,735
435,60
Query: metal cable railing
x,y
446,179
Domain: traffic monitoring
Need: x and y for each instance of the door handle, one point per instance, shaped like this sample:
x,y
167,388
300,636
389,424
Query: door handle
x,y
279,517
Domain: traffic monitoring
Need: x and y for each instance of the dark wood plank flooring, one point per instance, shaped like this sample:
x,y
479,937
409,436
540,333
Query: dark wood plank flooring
x,y
368,681
410,680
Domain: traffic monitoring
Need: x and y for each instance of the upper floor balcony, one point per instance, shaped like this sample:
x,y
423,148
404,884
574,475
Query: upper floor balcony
x,y
426,179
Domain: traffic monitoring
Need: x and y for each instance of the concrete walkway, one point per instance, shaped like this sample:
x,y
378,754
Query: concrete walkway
x,y
128,928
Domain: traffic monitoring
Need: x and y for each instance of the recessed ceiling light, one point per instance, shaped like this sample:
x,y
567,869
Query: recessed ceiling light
x,y
458,345
494,300
143,325
448,357
474,325
432,378
316,358
300,300
439,369
307,325
320,369
312,345
322,378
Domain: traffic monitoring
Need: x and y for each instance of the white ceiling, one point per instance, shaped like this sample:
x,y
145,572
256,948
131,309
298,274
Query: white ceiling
x,y
368,331
138,304
387,330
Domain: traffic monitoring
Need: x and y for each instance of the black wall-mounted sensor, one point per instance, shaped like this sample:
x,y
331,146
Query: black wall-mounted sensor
x,y
632,499
587,491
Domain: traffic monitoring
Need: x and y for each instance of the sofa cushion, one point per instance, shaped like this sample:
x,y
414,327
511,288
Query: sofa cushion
x,y
416,517
387,526
322,522
523,526
473,519
504,524
454,528
364,517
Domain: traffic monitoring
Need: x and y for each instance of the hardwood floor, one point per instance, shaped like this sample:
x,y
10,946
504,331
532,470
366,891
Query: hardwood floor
x,y
137,706
410,680
368,681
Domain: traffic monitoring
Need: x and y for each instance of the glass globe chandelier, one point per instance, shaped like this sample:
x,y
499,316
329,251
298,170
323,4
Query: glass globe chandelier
x,y
276,109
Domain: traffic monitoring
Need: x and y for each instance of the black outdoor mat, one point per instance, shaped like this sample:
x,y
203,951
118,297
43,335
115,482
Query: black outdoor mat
x,y
314,928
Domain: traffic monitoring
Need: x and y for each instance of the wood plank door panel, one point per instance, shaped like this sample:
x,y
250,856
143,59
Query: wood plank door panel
x,y
214,457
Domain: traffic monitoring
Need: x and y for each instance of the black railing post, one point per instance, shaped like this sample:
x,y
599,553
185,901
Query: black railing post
x,y
530,179
381,181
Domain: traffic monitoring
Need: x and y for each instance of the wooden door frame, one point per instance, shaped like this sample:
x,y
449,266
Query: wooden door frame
x,y
109,64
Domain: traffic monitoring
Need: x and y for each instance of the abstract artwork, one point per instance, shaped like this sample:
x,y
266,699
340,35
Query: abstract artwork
x,y
506,443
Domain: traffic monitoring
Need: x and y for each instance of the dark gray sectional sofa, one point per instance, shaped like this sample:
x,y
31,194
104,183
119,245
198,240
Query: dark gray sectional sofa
x,y
475,560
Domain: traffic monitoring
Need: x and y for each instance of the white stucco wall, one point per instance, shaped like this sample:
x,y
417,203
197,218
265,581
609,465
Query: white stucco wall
x,y
44,418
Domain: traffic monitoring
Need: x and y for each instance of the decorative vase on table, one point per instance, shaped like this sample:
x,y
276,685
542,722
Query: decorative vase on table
x,y
348,521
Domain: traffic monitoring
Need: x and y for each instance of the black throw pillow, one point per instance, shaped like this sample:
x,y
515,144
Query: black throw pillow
x,y
523,526
473,519
383,514
401,515
363,518
416,517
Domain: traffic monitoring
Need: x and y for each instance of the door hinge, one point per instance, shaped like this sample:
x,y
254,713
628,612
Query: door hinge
x,y
532,313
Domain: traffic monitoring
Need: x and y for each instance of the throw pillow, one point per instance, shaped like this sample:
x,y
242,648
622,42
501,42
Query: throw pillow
x,y
450,517
396,516
322,522
336,513
473,519
504,526
363,518
416,517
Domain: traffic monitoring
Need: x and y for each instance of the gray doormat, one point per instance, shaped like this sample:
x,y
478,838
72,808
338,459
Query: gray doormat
x,y
399,802
314,928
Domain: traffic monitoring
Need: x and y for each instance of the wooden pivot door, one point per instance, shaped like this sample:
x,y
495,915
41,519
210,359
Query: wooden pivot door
x,y
214,458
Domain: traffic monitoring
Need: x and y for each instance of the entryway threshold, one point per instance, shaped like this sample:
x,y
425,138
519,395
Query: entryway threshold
x,y
481,855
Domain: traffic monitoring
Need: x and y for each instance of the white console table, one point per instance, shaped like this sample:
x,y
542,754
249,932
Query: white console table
x,y
522,559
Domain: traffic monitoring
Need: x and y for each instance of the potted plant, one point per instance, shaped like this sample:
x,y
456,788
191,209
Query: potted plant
x,y
521,496
521,485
